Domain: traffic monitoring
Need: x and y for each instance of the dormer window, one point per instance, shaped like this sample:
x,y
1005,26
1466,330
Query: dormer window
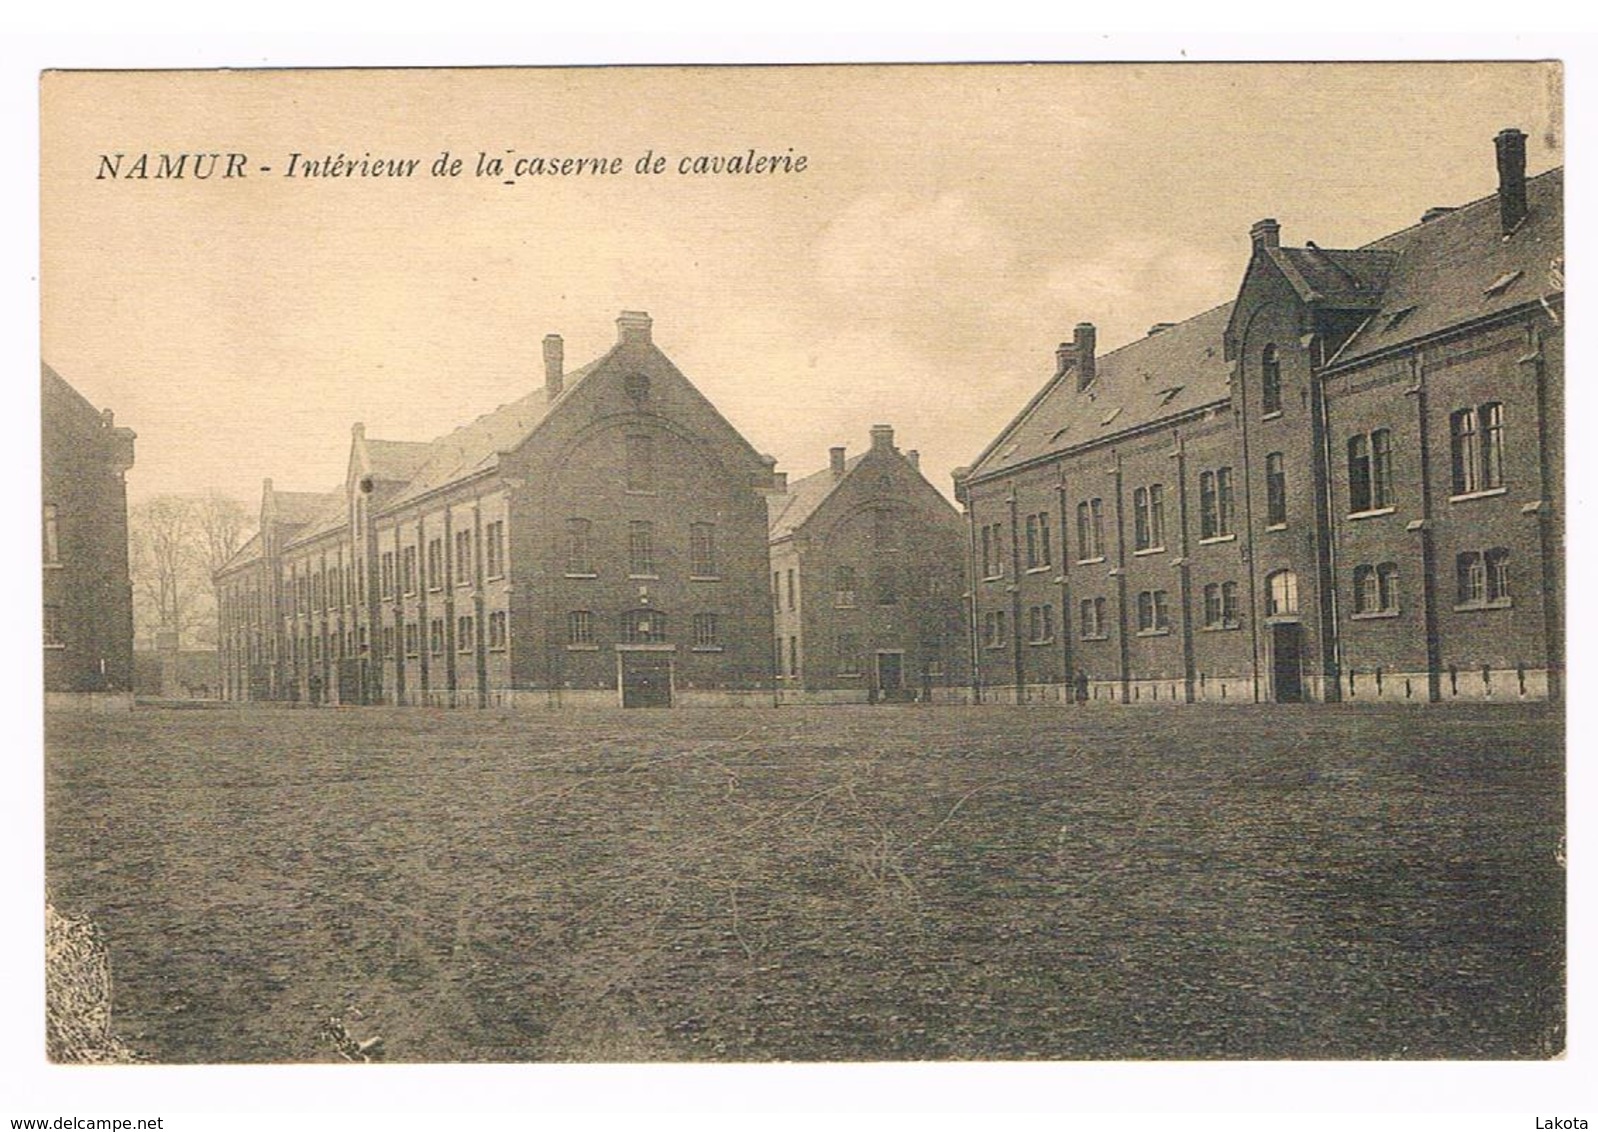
x,y
1503,283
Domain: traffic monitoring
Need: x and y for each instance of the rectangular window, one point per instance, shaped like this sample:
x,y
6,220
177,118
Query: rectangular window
x,y
1230,616
412,639
644,627
435,636
776,590
641,463
1382,468
1275,491
494,549
51,536
53,631
1038,553
1090,530
388,641
848,654
1359,473
465,634
843,587
793,656
1092,619
580,627
463,557
706,631
1224,510
641,548
1148,517
385,574
1209,507
1497,575
1212,606
993,550
1153,612
1040,624
1140,519
702,550
435,563
408,559
1483,578
498,633
993,629
793,592
1156,516
1476,442
580,547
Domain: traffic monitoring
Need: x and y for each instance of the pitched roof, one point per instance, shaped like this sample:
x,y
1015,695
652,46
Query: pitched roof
x,y
1174,371
244,555
476,446
296,508
1460,267
396,459
787,512
1335,277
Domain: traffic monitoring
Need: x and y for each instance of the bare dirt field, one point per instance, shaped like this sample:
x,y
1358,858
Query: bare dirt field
x,y
857,883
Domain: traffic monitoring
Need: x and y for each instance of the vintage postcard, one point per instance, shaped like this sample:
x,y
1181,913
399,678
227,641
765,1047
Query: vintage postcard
x,y
825,564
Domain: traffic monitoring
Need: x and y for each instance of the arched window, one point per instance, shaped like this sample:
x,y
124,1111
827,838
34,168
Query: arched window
x,y
1281,593
1270,380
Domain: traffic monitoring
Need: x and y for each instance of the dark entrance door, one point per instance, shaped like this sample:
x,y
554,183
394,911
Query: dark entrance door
x,y
349,681
1287,646
890,675
645,679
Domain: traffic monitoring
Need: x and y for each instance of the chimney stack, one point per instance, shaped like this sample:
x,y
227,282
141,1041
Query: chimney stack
x,y
358,431
1266,233
1511,145
633,326
915,459
882,438
837,461
779,482
1083,348
1064,358
554,365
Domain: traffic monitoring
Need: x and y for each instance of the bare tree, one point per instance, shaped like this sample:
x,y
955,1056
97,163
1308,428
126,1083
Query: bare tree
x,y
176,543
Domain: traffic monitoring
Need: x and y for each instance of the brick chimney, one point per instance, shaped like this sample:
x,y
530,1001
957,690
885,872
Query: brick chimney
x,y
1266,233
1511,145
358,431
554,365
1084,350
779,482
633,327
915,459
1064,358
837,460
882,438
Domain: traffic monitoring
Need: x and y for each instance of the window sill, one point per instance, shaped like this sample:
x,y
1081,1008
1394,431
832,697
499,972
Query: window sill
x,y
1089,561
1223,627
582,648
579,574
993,577
1154,632
1148,550
1375,615
1039,644
643,577
993,648
1095,636
1274,414
497,648
1487,493
1276,526
1495,603
500,577
850,675
1373,513
1219,538
1043,569
708,648
704,577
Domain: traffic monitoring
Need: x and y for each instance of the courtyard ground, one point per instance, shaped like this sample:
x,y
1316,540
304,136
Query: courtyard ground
x,y
856,883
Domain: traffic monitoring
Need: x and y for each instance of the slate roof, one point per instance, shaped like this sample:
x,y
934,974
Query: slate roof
x,y
245,554
1444,271
476,446
396,459
1335,277
1161,375
788,512
296,508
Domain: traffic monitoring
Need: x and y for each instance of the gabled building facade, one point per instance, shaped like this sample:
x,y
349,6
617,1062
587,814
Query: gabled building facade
x,y
866,581
601,540
1343,484
88,599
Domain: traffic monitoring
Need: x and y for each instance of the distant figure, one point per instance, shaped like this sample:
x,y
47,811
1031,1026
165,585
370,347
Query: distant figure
x,y
1081,686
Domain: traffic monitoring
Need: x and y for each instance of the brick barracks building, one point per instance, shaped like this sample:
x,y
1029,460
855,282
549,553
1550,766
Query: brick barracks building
x,y
1344,484
88,599
866,582
602,540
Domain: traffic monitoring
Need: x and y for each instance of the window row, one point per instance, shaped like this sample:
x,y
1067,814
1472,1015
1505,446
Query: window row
x,y
399,575
582,561
641,627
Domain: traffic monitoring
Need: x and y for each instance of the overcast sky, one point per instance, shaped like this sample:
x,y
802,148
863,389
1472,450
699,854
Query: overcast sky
x,y
951,226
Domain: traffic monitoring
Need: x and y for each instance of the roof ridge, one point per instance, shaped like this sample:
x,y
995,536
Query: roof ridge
x,y
1454,210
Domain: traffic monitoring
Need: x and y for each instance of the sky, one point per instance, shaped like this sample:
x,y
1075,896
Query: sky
x,y
950,227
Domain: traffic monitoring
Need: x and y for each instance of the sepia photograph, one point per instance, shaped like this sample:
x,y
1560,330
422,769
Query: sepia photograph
x,y
836,563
